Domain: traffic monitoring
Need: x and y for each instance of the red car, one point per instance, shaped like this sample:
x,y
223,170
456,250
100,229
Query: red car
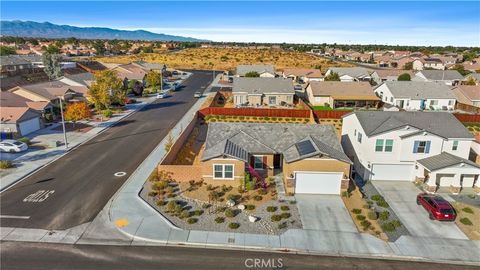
x,y
437,207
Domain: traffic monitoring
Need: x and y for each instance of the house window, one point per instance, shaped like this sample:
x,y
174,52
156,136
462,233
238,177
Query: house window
x,y
450,103
272,100
391,99
222,171
258,162
421,147
455,146
355,133
433,102
359,139
379,145
289,99
388,145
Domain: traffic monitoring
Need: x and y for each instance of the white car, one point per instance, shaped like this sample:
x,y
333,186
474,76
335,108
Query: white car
x,y
162,95
12,146
197,95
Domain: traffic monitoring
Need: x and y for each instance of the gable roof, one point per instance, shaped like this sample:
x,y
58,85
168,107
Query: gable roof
x,y
239,139
441,75
150,66
419,90
467,93
84,78
355,72
130,71
444,160
344,90
11,115
51,90
261,85
303,72
443,124
382,73
244,69
8,99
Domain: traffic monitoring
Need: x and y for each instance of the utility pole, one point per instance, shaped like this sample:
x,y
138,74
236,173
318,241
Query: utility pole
x,y
63,124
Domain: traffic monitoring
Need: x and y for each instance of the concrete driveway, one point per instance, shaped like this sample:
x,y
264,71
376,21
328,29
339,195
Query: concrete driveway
x,y
402,195
324,212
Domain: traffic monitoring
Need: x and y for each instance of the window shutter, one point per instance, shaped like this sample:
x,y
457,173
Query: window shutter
x,y
264,162
252,161
415,147
427,147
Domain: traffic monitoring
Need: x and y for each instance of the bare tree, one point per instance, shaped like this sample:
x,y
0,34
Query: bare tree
x,y
52,66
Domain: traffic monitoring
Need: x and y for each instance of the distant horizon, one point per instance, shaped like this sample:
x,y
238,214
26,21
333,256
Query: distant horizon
x,y
352,23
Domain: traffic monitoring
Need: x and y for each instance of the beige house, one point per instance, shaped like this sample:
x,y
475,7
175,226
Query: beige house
x,y
50,92
262,92
264,71
309,158
336,94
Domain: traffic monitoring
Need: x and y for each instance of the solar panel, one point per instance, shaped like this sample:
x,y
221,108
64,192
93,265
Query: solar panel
x,y
305,148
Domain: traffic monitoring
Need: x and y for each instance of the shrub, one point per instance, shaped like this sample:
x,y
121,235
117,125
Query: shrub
x,y
365,206
271,209
192,220
356,211
345,194
282,225
365,224
209,187
372,215
230,213
467,210
107,113
161,202
6,164
219,219
233,225
388,227
185,214
25,140
160,185
262,191
257,198
171,206
361,217
198,212
376,197
178,209
206,205
152,193
250,207
169,189
396,223
284,208
384,215
285,215
276,218
225,189
466,221
293,202
383,204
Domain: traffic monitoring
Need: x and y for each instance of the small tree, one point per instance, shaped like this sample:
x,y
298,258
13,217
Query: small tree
x,y
5,50
404,77
153,79
461,69
52,67
106,89
170,142
332,77
408,66
77,111
52,49
470,81
252,74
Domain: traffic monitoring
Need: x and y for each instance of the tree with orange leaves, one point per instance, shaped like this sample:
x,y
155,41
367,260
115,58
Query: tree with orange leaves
x,y
77,111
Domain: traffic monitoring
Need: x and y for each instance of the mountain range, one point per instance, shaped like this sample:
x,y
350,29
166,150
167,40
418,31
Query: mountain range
x,y
50,30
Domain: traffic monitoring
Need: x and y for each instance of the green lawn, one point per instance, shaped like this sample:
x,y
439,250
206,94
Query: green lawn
x,y
321,108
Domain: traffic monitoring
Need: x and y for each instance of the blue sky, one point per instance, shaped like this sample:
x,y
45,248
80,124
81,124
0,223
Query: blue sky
x,y
405,23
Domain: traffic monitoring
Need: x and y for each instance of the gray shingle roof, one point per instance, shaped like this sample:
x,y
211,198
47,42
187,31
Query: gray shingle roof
x,y
150,66
443,124
263,85
441,75
239,139
244,69
355,72
84,78
419,90
444,160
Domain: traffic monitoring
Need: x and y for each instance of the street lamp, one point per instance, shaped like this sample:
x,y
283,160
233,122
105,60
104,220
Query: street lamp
x,y
63,124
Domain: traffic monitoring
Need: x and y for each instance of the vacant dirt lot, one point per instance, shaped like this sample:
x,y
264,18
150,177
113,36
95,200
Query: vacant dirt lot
x,y
227,59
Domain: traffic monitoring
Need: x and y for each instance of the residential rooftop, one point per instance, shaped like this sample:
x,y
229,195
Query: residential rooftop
x,y
261,85
355,72
441,75
419,90
259,68
444,160
344,90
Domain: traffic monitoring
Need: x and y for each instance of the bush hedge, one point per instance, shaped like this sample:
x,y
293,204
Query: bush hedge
x,y
219,219
384,215
192,220
276,218
284,208
233,225
271,209
466,221
356,211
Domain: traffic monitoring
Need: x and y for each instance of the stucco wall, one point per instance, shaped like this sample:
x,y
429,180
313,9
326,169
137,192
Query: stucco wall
x,y
207,169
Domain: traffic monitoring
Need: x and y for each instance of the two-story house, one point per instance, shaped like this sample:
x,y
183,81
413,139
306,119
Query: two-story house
x,y
432,147
448,77
415,96
262,91
267,71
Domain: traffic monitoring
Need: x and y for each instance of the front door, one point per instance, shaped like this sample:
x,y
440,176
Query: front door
x,y
277,161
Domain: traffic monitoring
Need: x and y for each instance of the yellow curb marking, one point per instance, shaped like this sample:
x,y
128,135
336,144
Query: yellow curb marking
x,y
121,222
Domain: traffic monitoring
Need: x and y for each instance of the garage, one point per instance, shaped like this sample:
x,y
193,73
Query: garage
x,y
444,180
318,183
29,126
399,172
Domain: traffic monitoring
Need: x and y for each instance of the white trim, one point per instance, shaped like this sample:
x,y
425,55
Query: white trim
x,y
223,171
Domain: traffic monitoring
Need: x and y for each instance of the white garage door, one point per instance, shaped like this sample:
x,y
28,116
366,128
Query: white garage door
x,y
318,183
401,172
29,126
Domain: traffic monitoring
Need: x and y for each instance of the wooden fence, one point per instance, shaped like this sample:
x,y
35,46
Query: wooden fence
x,y
255,112
467,118
330,114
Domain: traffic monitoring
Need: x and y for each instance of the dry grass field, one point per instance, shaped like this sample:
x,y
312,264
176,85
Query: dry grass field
x,y
227,59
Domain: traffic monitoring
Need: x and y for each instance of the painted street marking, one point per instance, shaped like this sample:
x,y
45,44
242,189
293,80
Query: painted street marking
x,y
120,174
38,196
17,217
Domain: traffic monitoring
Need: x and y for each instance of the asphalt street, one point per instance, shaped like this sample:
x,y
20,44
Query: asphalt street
x,y
54,256
73,189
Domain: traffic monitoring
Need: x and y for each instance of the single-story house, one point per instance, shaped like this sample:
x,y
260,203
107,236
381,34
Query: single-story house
x,y
350,74
383,75
80,79
426,63
449,77
414,95
447,170
262,91
468,97
19,121
473,76
161,68
50,91
336,94
131,72
310,156
9,99
267,71
303,75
